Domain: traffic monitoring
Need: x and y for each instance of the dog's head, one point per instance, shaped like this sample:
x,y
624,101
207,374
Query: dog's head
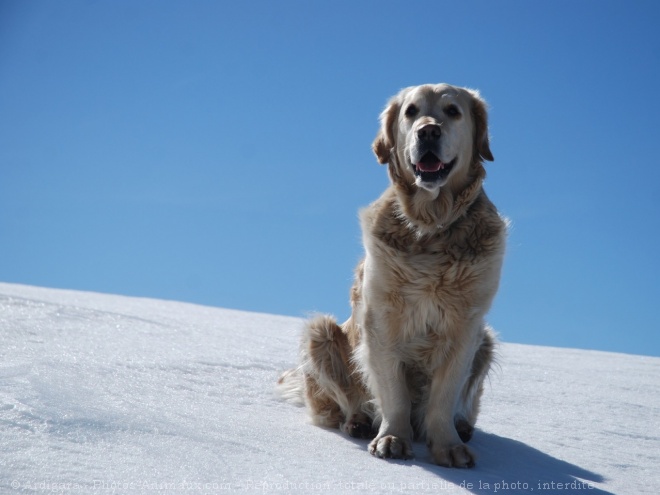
x,y
431,135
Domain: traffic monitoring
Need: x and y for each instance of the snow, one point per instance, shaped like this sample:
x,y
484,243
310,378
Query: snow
x,y
110,394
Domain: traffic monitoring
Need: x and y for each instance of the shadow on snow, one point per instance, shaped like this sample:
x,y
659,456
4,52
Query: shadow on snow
x,y
506,466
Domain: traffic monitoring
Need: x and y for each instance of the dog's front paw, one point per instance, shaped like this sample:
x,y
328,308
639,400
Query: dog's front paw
x,y
391,447
459,456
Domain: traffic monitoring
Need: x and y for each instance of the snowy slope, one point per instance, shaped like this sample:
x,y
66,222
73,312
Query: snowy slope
x,y
108,394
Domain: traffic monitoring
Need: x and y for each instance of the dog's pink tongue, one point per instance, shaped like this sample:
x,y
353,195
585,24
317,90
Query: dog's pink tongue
x,y
430,166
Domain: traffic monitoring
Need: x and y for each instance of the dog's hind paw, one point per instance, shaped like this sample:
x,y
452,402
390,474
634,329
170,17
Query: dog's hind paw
x,y
464,429
357,427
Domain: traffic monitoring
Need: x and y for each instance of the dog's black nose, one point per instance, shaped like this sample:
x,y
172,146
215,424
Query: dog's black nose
x,y
429,132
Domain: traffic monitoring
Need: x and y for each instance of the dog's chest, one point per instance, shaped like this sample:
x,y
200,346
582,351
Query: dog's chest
x,y
431,283
435,266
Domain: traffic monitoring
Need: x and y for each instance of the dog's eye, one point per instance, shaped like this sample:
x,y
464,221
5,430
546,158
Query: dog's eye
x,y
411,111
453,111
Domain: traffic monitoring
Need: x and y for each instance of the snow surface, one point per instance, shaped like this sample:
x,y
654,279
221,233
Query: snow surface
x,y
109,394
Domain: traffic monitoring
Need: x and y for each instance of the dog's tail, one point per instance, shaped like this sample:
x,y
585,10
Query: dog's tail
x,y
291,386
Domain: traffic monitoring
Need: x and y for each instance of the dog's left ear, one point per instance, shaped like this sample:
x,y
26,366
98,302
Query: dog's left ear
x,y
385,139
480,117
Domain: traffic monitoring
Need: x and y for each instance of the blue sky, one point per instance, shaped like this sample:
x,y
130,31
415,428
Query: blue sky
x,y
217,152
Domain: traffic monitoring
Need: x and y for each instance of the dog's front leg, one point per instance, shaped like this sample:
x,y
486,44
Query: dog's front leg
x,y
387,382
448,379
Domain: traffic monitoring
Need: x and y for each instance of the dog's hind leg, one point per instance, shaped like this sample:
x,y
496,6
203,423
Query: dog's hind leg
x,y
468,411
334,393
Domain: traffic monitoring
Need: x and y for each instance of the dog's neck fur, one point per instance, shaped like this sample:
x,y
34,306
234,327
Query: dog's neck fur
x,y
429,212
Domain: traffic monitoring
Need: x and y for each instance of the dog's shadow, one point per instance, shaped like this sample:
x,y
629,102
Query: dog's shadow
x,y
505,466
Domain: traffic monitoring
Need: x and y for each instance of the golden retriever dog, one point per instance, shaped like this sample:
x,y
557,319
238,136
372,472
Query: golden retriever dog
x,y
410,362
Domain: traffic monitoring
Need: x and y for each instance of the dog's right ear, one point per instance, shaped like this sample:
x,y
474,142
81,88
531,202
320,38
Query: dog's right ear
x,y
385,139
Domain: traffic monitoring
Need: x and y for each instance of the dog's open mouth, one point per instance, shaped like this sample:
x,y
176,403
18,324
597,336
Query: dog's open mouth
x,y
431,169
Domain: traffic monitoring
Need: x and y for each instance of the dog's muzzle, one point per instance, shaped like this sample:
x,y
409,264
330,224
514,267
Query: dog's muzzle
x,y
429,168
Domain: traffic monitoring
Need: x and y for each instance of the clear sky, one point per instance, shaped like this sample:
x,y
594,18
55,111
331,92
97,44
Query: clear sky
x,y
217,152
